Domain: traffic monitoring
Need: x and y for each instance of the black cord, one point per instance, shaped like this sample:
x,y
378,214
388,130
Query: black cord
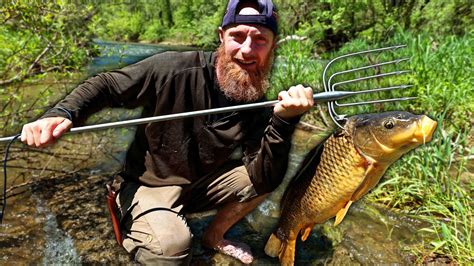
x,y
5,158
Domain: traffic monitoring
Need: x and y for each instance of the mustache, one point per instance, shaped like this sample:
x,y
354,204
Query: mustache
x,y
238,58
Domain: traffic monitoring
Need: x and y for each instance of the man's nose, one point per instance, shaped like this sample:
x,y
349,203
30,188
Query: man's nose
x,y
247,47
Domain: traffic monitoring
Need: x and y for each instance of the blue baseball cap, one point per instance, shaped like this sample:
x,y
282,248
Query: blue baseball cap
x,y
267,17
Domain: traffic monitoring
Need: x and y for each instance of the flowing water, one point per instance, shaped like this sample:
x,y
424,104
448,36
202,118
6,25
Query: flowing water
x,y
64,220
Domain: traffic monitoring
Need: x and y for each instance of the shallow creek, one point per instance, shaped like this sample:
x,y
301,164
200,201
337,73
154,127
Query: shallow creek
x,y
66,220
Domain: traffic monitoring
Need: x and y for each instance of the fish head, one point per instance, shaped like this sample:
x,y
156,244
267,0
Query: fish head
x,y
385,137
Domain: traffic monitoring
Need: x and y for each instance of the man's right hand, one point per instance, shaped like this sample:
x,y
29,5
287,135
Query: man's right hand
x,y
45,131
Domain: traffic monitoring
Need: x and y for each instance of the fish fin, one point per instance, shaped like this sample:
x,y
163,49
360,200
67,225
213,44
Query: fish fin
x,y
372,176
306,232
342,213
287,254
273,246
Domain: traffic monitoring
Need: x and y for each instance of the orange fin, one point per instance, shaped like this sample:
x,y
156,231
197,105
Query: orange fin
x,y
273,246
342,212
284,249
306,232
287,254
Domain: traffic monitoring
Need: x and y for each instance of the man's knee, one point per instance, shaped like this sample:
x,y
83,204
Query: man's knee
x,y
238,182
151,227
158,241
155,234
146,257
167,239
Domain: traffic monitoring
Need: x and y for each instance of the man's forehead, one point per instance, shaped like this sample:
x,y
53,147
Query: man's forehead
x,y
254,28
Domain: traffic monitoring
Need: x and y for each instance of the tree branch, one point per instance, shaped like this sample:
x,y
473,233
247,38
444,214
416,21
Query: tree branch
x,y
29,71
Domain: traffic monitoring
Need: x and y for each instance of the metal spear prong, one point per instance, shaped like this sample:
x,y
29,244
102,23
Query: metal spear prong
x,y
330,87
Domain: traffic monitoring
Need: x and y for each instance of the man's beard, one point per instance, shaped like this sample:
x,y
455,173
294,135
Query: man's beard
x,y
239,84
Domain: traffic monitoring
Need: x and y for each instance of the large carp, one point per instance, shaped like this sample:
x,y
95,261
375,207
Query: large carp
x,y
342,170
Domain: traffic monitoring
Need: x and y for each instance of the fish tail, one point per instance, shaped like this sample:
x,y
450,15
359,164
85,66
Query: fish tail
x,y
287,253
273,246
284,250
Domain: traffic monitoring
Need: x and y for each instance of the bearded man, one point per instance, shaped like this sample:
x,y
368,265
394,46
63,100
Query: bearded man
x,y
227,161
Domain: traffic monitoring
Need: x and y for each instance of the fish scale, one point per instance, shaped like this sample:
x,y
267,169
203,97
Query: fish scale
x,y
336,179
343,159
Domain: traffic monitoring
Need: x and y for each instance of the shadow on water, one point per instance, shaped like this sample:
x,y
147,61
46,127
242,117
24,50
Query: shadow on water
x,y
64,220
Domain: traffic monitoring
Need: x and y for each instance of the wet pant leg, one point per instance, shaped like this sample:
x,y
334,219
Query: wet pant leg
x,y
222,187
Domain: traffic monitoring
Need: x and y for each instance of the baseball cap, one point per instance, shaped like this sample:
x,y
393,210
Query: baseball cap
x,y
267,16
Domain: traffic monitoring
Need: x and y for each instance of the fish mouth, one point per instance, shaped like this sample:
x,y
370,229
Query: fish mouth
x,y
425,129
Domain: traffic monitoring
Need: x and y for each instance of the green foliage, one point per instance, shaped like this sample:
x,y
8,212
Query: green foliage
x,y
330,24
40,37
197,21
191,22
441,72
294,64
40,42
134,21
444,17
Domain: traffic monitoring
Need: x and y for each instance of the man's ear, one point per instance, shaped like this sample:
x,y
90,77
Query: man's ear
x,y
221,34
275,42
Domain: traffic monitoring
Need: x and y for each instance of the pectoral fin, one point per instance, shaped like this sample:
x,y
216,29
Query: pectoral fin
x,y
306,231
342,213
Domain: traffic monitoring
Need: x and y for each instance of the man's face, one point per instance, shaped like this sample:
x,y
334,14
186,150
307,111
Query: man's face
x,y
244,61
249,45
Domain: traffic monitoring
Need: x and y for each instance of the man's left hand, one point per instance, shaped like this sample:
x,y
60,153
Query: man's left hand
x,y
293,102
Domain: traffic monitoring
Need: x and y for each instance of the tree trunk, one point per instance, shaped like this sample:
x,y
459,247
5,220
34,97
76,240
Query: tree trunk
x,y
407,14
168,13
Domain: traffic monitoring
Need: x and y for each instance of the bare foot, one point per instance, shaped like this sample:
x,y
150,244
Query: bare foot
x,y
235,249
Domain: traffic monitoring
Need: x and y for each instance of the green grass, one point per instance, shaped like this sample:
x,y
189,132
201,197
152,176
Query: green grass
x,y
427,184
431,183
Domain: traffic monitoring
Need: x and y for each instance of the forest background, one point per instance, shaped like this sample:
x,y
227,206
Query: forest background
x,y
45,48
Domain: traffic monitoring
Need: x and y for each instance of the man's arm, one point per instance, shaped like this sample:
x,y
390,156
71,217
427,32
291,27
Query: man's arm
x,y
128,87
267,161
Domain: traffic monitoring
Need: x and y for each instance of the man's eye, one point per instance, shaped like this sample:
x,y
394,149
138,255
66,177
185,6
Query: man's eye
x,y
261,41
237,37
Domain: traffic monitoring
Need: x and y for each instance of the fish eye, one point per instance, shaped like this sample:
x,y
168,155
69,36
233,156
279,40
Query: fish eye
x,y
388,124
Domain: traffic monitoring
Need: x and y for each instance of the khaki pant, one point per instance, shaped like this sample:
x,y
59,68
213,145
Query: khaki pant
x,y
153,226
